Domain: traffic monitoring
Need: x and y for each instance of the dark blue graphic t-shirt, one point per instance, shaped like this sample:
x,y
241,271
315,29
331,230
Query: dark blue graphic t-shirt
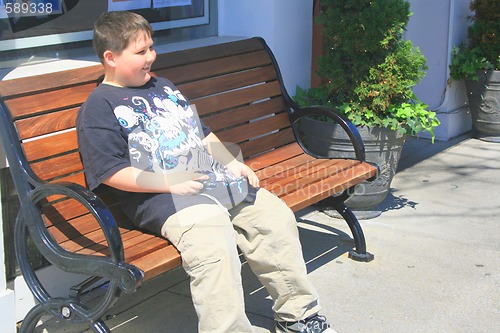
x,y
152,128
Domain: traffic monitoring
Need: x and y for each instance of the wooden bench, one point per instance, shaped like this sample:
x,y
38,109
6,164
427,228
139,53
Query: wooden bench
x,y
238,91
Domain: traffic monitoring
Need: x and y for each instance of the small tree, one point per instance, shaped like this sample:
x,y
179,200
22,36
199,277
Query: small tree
x,y
367,69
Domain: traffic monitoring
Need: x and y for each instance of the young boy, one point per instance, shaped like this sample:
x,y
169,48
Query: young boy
x,y
138,135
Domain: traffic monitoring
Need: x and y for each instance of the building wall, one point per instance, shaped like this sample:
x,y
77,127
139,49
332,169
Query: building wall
x,y
435,27
286,25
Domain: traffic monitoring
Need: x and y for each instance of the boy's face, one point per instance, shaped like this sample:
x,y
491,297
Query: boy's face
x,y
132,66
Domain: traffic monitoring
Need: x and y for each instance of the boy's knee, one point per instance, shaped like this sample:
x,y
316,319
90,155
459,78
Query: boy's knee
x,y
266,199
200,219
275,208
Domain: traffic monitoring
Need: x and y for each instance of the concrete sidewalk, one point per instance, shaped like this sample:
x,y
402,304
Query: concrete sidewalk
x,y
436,248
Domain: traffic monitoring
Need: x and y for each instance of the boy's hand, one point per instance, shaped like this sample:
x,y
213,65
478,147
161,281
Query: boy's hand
x,y
189,187
239,169
221,154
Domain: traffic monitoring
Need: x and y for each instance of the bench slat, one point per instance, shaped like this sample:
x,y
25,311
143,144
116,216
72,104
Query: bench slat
x,y
53,100
159,261
46,123
62,211
77,178
51,145
285,167
278,155
58,166
330,186
144,247
51,81
101,248
297,168
214,85
134,247
301,180
216,103
244,114
94,237
205,53
215,67
314,174
255,129
68,230
266,143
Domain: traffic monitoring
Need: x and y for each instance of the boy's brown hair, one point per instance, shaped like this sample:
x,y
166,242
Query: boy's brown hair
x,y
114,30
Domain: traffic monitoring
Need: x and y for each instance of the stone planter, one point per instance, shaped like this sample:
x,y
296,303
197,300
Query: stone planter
x,y
383,147
484,105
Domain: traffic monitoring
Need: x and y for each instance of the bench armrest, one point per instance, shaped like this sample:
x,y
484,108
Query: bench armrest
x,y
126,277
347,125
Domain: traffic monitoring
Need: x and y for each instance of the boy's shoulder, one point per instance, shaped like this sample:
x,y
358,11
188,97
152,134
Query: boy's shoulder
x,y
107,95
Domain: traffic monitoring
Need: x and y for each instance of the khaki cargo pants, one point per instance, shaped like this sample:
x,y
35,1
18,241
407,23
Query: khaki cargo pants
x,y
266,233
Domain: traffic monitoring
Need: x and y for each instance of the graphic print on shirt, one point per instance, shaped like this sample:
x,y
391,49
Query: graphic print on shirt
x,y
165,134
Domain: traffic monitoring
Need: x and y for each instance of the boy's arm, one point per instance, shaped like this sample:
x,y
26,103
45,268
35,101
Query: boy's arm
x,y
221,154
132,179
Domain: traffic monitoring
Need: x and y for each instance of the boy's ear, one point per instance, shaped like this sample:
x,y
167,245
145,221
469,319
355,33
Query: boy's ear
x,y
109,58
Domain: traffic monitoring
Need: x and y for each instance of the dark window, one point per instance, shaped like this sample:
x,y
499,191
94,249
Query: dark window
x,y
65,29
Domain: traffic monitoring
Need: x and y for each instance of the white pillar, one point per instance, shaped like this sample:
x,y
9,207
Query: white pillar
x,y
286,25
435,27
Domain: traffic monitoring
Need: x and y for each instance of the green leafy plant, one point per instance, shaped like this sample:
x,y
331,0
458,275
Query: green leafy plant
x,y
483,49
367,69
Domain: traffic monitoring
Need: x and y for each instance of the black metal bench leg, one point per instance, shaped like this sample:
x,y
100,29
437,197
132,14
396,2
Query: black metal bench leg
x,y
31,319
100,327
338,203
359,254
35,314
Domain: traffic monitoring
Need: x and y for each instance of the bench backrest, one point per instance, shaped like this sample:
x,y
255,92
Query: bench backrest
x,y
237,91
235,86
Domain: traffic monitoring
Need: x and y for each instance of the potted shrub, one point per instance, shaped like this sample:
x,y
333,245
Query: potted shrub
x,y
368,72
478,63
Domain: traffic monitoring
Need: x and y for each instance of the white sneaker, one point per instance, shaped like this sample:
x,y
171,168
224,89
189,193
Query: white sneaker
x,y
314,324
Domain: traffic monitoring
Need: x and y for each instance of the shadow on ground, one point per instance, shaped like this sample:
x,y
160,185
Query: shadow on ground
x,y
416,150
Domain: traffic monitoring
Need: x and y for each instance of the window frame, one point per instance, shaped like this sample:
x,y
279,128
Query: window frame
x,y
80,36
